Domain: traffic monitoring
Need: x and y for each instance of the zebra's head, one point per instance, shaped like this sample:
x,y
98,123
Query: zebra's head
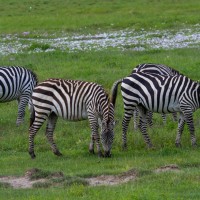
x,y
107,132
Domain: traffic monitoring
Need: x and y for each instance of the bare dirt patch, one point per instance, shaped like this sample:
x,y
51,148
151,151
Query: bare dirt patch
x,y
112,179
20,182
43,178
171,167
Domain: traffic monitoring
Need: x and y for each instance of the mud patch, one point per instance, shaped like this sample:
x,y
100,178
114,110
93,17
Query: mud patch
x,y
171,167
112,179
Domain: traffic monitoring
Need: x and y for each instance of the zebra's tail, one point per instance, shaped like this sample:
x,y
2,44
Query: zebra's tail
x,y
32,111
114,91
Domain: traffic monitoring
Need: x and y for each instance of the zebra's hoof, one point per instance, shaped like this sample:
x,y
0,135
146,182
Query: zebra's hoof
x,y
178,145
32,154
91,151
107,154
124,147
100,154
150,146
57,153
194,145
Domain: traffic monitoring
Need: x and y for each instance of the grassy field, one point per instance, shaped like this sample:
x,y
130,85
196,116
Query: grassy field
x,y
104,67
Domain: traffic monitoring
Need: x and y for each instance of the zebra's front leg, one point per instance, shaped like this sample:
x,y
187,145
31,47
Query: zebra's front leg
x,y
181,124
91,146
175,116
51,124
93,120
125,123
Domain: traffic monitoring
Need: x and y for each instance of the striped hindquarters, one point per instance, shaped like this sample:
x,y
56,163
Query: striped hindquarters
x,y
15,81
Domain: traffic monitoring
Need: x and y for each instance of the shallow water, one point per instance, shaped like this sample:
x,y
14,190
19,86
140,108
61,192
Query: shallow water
x,y
123,39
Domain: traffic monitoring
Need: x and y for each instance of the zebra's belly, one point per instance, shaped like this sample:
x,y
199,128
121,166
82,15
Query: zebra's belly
x,y
76,115
6,97
170,108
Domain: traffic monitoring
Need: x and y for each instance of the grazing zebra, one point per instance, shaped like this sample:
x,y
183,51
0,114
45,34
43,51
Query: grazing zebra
x,y
161,94
17,83
72,100
153,69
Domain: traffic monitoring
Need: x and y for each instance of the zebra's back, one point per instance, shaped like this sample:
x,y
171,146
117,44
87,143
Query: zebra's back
x,y
155,69
158,93
68,99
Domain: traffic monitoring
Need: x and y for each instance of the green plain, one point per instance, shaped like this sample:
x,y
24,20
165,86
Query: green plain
x,y
104,67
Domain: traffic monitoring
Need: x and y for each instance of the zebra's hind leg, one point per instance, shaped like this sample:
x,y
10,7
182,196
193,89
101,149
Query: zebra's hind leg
x,y
189,121
22,102
181,124
143,126
135,119
51,124
125,123
35,126
164,118
149,118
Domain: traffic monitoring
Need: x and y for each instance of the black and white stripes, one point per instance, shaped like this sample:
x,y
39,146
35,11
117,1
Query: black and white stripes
x,y
17,83
152,68
72,100
161,94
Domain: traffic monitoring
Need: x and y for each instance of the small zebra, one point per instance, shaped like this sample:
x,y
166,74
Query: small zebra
x,y
153,69
72,100
17,83
161,94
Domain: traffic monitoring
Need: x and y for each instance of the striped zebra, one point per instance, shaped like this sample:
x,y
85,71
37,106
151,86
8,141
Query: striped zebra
x,y
153,68
17,83
161,94
72,100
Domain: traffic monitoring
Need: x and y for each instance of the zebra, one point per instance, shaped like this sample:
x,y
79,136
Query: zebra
x,y
161,94
153,68
17,83
73,100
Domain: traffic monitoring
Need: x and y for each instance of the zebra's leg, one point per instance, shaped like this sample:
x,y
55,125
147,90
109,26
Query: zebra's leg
x,y
95,138
143,127
135,119
189,121
174,116
181,124
51,124
149,118
125,123
22,102
164,118
37,122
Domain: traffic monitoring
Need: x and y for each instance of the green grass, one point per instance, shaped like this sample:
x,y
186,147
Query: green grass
x,y
91,16
103,67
